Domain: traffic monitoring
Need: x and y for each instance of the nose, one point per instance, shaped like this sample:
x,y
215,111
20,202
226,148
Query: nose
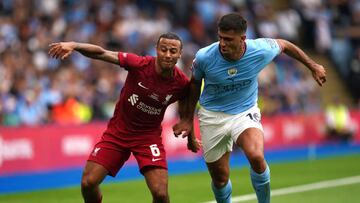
x,y
222,43
167,54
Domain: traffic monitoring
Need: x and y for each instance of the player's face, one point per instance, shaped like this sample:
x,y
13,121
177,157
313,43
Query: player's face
x,y
168,52
231,44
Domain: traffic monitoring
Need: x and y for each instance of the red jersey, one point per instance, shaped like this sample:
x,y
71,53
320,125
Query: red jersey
x,y
144,97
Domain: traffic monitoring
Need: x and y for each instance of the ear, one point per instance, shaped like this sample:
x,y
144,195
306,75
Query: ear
x,y
243,37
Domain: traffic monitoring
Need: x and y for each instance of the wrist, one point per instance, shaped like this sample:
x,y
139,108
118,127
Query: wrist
x,y
74,45
187,118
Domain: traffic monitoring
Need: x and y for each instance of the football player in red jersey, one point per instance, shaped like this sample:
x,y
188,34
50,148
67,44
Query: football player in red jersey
x,y
151,85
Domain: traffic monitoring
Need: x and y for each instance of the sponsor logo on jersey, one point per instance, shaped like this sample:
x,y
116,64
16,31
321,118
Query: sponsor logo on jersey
x,y
217,89
148,109
133,99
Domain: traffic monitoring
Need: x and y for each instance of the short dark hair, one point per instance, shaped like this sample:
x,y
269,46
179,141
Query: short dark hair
x,y
170,35
232,21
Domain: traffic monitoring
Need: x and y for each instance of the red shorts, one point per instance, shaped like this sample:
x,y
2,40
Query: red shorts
x,y
112,152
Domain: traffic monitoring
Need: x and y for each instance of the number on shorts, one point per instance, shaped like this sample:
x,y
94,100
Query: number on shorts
x,y
250,116
155,151
255,117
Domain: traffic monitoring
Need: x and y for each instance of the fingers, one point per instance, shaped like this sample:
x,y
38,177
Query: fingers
x,y
58,51
321,80
319,74
182,134
195,145
65,56
181,130
319,77
177,130
185,133
53,48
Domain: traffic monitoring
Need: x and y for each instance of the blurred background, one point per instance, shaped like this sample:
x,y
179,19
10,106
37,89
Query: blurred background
x,y
53,111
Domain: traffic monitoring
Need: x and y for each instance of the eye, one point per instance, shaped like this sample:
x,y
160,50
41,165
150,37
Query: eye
x,y
173,51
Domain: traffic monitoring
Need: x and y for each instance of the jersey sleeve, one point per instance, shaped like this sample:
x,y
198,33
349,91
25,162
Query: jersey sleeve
x,y
197,68
131,61
270,48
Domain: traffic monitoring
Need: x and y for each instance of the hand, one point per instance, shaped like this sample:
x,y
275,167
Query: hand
x,y
61,49
319,74
193,144
183,128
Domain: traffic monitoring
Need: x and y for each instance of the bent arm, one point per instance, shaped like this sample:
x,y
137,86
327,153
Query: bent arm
x,y
290,49
194,94
64,49
186,110
295,52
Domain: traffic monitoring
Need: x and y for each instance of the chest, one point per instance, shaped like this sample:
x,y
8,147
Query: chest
x,y
221,71
153,90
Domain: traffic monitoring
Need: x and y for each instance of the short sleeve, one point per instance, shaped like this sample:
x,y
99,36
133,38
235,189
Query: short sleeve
x,y
197,69
271,46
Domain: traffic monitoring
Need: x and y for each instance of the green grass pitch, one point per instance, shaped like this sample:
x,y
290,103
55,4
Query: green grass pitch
x,y
195,187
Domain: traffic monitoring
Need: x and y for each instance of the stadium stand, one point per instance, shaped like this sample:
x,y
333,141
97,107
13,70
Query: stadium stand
x,y
35,89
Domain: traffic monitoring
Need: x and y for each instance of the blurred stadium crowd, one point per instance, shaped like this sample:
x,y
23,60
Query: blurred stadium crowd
x,y
36,89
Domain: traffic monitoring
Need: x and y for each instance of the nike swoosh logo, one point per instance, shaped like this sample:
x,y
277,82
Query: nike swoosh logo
x,y
141,85
153,159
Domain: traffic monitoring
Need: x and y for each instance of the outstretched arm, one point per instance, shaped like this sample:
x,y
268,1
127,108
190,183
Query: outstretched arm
x,y
317,70
64,49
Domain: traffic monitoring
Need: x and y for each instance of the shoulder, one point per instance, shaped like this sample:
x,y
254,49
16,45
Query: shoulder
x,y
266,47
125,56
180,79
180,76
207,52
131,61
263,43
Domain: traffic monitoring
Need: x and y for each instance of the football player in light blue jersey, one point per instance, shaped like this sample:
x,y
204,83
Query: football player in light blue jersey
x,y
229,111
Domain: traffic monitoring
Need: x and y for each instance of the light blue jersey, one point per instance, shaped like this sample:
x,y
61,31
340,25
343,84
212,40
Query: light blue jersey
x,y
231,86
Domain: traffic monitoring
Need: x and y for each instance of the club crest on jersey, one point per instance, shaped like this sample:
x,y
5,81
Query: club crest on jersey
x,y
167,99
232,71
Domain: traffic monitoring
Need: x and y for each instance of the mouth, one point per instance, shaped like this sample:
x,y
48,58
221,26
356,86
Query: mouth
x,y
167,63
224,50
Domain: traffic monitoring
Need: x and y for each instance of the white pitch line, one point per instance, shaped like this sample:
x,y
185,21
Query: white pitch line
x,y
300,188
